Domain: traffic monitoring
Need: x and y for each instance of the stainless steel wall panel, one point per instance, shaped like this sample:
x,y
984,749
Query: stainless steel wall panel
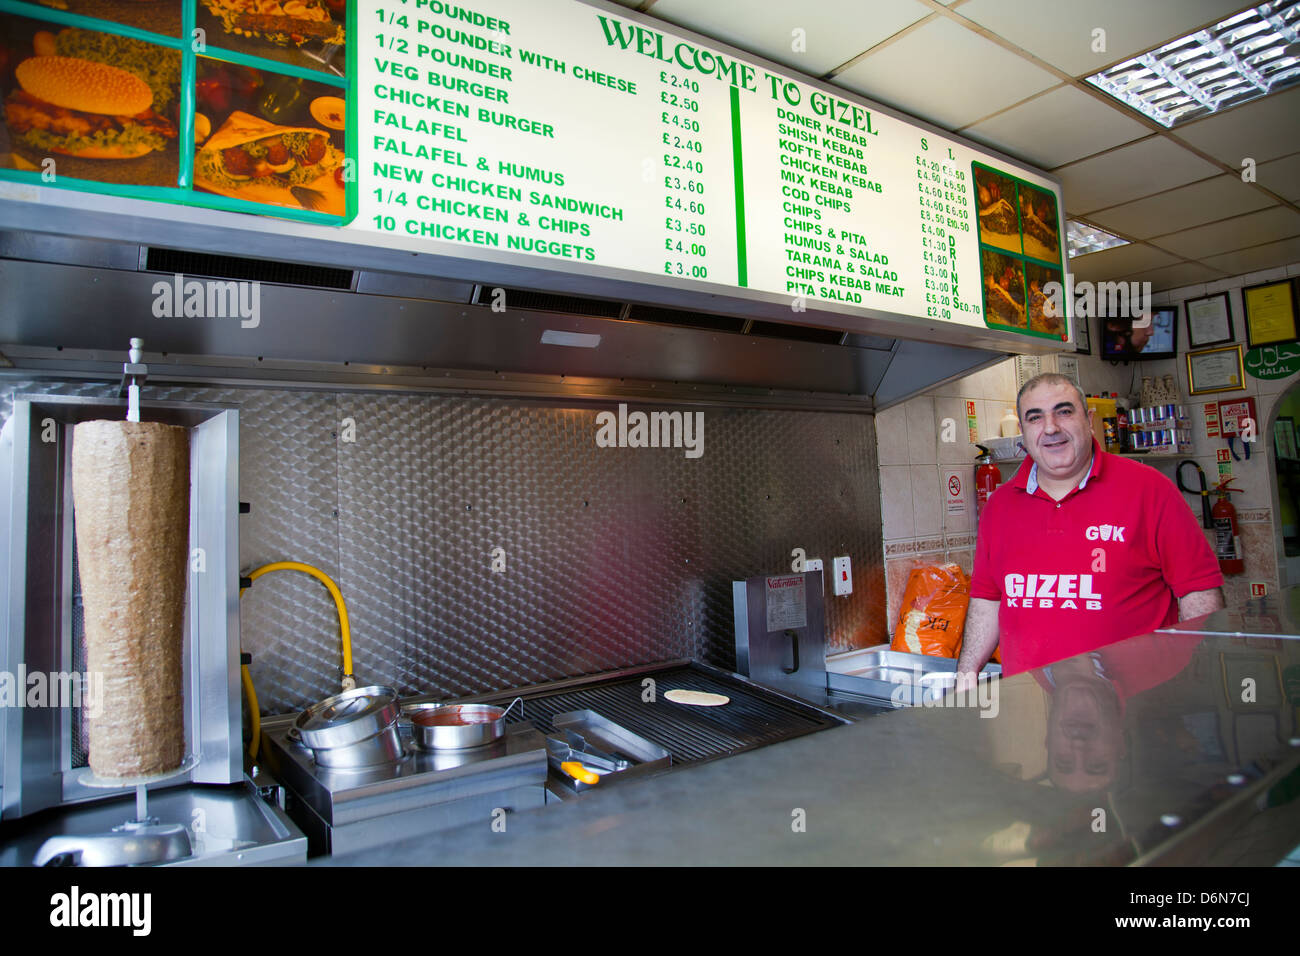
x,y
614,556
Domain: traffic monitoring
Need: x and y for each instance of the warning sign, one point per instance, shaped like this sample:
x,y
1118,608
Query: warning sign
x,y
954,492
1258,588
1212,419
1222,454
972,424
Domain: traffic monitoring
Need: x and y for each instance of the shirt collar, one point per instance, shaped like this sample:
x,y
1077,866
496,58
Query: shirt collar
x,y
1027,477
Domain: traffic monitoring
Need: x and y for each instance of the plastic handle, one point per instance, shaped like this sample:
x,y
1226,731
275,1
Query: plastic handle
x,y
580,773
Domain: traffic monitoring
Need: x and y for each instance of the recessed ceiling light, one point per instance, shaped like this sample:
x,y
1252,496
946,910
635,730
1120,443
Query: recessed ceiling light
x,y
1242,58
1082,239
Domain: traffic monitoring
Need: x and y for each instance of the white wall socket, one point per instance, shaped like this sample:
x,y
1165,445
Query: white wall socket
x,y
843,575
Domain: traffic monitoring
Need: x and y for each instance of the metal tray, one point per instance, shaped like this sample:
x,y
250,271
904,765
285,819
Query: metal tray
x,y
603,734
896,677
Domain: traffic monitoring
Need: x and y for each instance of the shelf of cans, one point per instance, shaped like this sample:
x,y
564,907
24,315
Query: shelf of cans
x,y
1159,428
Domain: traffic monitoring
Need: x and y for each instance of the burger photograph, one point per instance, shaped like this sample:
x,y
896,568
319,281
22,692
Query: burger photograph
x,y
1004,290
306,33
996,195
156,16
268,138
88,105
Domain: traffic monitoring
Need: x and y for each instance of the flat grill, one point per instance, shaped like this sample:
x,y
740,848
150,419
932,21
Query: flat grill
x,y
755,717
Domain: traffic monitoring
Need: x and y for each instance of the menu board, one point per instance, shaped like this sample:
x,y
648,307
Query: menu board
x,y
561,135
579,134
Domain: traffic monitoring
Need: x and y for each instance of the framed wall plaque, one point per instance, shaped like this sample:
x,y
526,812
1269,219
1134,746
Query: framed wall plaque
x,y
1209,321
1215,370
1270,313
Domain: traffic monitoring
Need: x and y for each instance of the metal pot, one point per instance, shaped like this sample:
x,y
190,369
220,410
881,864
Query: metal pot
x,y
457,726
357,728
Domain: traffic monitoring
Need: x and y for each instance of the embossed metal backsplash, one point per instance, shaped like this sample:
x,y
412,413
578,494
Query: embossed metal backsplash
x,y
613,556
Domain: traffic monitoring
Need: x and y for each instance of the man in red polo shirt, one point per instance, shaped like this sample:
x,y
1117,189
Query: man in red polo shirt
x,y
1081,548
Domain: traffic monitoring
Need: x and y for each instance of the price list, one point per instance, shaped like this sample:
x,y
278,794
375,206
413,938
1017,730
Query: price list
x,y
584,140
943,199
486,125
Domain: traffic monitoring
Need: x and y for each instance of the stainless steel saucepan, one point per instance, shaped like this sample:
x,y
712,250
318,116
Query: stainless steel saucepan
x,y
457,726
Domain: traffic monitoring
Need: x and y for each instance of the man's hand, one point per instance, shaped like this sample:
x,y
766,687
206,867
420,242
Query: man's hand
x,y
1198,603
979,640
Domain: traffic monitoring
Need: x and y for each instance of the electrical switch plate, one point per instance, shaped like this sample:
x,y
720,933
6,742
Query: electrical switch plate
x,y
813,564
843,575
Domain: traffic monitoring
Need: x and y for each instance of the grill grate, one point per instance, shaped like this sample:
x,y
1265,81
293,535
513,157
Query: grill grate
x,y
691,734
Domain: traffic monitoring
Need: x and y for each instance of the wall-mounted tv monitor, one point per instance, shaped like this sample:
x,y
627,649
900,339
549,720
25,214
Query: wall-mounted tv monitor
x,y
1140,340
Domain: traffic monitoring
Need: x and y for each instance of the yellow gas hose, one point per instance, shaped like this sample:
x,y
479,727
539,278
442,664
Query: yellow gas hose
x,y
345,634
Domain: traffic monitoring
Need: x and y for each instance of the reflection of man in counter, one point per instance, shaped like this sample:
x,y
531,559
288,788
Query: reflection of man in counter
x,y
1081,548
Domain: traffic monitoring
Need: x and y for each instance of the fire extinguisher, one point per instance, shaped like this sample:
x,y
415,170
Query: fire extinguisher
x,y
987,479
1227,543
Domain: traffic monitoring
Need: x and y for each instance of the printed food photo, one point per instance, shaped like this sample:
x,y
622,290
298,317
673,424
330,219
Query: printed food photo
x,y
308,33
1041,226
999,225
99,106
1004,289
259,137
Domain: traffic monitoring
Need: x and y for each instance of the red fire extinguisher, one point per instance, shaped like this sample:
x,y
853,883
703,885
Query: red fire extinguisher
x,y
987,479
1227,543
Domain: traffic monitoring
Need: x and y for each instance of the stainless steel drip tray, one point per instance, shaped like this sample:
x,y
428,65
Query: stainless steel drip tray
x,y
895,677
420,779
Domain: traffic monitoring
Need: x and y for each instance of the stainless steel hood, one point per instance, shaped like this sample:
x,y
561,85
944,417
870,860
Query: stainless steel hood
x,y
69,304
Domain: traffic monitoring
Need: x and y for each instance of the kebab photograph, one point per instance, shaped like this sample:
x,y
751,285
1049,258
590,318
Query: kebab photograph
x,y
308,33
1042,317
156,16
1004,290
1039,222
999,225
268,138
101,106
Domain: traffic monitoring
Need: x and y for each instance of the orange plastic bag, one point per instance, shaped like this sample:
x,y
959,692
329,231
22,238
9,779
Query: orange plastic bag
x,y
933,613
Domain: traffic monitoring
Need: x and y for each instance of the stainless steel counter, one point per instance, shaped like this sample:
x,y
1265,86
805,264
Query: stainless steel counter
x,y
1166,748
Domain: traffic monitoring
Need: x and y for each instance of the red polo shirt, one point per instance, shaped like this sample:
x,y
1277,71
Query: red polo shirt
x,y
1106,562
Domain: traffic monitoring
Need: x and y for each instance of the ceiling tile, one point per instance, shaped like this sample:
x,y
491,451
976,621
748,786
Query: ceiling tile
x,y
834,30
965,77
1281,176
1061,31
1260,257
1262,130
1179,274
1057,127
1276,222
1130,172
1183,208
1119,261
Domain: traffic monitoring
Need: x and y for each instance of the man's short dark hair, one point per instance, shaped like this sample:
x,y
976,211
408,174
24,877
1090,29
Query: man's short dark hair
x,y
1050,378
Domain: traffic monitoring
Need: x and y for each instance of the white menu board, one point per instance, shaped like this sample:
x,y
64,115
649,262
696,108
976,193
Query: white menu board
x,y
573,134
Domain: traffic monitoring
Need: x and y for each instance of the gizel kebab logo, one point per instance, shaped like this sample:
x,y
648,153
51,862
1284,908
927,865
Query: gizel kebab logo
x,y
75,908
1045,590
656,430
1105,532
208,299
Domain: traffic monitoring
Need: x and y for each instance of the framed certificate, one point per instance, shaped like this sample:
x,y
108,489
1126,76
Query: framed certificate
x,y
1215,370
1209,321
1270,313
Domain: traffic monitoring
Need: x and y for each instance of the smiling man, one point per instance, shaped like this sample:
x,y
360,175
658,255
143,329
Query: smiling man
x,y
1081,548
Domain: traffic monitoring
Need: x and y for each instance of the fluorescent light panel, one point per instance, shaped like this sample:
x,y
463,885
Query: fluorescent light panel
x,y
1082,239
1242,58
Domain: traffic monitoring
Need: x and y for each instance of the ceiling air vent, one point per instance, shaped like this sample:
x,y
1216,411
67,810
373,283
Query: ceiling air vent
x,y
685,319
797,333
245,270
550,302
